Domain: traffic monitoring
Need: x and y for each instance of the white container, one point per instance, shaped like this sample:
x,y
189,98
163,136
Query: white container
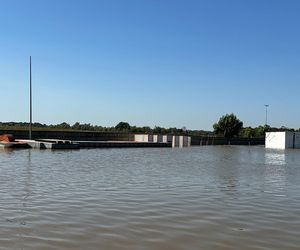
x,y
282,140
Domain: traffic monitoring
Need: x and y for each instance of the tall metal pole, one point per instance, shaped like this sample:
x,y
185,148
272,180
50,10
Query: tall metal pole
x,y
266,105
30,77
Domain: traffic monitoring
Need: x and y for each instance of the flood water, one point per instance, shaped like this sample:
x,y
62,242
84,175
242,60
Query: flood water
x,y
210,197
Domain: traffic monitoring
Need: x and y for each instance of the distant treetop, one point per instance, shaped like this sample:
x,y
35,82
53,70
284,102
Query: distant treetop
x,y
228,126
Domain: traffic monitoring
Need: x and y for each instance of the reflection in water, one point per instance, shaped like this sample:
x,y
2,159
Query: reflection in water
x,y
275,158
27,180
275,174
6,151
227,171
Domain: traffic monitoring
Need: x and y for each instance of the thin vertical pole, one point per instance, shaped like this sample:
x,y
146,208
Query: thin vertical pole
x,y
30,123
266,113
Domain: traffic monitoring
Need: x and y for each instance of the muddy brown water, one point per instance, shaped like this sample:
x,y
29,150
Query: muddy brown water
x,y
210,197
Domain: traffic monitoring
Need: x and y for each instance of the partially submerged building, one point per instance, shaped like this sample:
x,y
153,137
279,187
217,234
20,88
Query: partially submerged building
x,y
175,141
282,140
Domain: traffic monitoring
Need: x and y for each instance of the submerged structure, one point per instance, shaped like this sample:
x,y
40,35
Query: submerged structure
x,y
282,140
172,140
8,141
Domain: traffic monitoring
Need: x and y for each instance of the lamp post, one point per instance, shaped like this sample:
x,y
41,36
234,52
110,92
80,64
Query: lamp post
x,y
266,105
30,97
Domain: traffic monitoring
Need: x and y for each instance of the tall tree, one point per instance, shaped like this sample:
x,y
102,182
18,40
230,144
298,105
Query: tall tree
x,y
228,126
123,126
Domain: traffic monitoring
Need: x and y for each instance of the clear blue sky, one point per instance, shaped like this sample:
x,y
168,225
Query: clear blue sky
x,y
151,62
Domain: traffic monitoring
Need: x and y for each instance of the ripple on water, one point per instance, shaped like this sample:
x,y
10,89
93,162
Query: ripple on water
x,y
194,198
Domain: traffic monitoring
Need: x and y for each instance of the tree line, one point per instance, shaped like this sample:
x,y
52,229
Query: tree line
x,y
227,126
124,127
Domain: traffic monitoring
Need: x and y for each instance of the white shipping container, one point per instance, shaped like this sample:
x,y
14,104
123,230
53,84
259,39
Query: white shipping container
x,y
282,140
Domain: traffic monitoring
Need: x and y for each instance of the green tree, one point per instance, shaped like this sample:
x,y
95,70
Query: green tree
x,y
248,132
76,126
261,130
146,129
159,130
228,126
122,126
63,125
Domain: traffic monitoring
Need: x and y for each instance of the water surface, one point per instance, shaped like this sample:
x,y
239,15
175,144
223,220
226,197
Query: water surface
x,y
214,197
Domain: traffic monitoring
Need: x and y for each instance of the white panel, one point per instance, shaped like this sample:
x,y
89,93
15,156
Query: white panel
x,y
138,138
275,140
164,138
181,141
141,138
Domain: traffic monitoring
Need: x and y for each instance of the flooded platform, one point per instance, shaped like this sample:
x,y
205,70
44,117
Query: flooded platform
x,y
8,141
51,144
67,144
121,144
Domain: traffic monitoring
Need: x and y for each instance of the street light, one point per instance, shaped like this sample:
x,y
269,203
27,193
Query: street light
x,y
266,105
30,100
